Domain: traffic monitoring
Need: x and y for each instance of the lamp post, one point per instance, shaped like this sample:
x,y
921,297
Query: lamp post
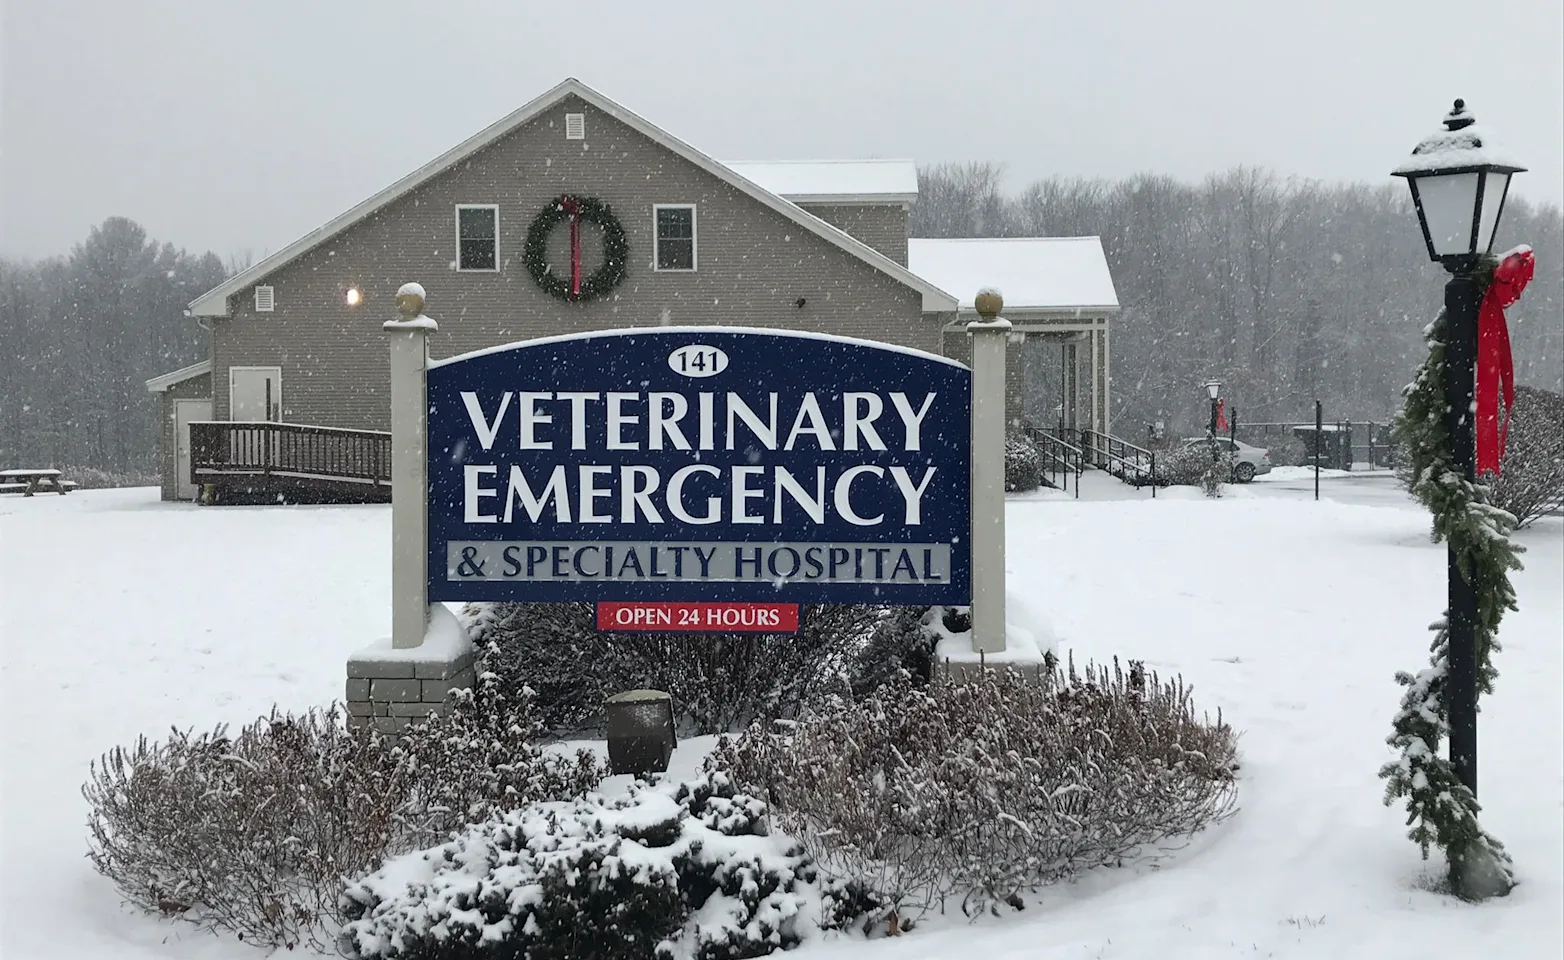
x,y
1214,391
1459,180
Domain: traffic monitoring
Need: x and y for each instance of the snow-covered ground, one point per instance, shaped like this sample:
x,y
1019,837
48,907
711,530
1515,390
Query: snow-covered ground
x,y
120,616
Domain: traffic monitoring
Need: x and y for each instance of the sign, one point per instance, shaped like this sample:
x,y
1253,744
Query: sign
x,y
700,464
666,617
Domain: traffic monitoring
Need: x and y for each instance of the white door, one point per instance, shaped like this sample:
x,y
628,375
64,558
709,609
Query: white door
x,y
254,393
186,411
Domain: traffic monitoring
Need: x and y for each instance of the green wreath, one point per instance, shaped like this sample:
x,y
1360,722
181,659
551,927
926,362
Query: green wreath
x,y
616,250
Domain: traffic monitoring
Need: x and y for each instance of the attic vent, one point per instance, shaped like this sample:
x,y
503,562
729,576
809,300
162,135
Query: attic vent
x,y
265,299
575,126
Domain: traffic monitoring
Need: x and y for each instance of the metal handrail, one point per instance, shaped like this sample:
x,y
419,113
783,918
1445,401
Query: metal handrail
x,y
1118,457
1063,458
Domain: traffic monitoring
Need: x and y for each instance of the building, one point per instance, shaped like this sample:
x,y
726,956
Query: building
x,y
296,342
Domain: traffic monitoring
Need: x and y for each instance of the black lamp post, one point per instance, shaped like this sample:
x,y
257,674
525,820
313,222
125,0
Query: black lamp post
x,y
1459,180
1214,391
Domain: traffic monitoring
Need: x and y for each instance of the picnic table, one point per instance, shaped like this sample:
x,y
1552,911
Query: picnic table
x,y
28,481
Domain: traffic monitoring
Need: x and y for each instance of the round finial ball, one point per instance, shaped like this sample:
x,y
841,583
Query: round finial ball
x,y
988,303
410,300
1459,105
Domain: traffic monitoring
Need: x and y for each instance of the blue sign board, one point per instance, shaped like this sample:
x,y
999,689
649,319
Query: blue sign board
x,y
700,464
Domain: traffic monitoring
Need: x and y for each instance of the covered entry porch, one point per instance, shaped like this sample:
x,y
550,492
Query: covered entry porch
x,y
1060,301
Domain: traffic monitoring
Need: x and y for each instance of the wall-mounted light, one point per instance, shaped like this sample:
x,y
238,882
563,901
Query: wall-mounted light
x,y
354,297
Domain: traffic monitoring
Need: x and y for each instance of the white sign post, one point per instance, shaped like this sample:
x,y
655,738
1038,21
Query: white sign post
x,y
409,468
989,336
408,676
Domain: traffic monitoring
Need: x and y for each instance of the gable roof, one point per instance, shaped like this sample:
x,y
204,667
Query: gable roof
x,y
214,303
834,181
1043,274
161,384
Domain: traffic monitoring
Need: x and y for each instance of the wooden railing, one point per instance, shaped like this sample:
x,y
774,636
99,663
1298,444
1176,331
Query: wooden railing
x,y
223,450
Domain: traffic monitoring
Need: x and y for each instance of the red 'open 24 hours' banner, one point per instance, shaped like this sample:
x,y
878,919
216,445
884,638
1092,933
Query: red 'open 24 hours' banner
x,y
676,617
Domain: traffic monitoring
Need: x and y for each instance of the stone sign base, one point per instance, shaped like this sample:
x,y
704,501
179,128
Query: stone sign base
x,y
389,688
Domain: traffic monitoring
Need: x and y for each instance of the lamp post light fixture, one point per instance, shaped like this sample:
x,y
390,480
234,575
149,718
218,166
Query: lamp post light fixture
x,y
1214,391
1459,180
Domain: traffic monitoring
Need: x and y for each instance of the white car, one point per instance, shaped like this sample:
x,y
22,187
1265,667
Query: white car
x,y
1249,462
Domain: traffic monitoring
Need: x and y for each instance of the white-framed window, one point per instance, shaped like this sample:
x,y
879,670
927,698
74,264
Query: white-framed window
x,y
478,237
265,299
674,232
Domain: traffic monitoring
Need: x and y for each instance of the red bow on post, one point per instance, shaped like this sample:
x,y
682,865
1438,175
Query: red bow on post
x,y
1221,414
1494,361
572,206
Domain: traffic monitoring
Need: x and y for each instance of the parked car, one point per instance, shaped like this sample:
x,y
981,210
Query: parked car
x,y
1249,461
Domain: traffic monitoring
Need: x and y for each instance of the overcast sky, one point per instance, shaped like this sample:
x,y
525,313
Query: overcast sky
x,y
240,126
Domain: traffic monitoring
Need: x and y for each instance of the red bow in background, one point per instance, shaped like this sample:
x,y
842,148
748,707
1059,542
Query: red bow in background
x,y
1494,361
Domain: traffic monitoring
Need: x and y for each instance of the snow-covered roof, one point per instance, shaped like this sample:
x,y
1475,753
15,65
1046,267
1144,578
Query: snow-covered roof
x,y
214,303
833,181
161,384
1032,273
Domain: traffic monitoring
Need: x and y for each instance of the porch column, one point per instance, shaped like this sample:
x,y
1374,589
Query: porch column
x,y
1071,386
1107,380
1096,383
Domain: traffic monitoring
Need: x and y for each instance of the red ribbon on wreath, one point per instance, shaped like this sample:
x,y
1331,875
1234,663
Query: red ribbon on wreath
x,y
572,206
1494,360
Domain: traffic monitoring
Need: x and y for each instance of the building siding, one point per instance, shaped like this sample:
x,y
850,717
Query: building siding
x,y
881,226
957,345
196,388
754,265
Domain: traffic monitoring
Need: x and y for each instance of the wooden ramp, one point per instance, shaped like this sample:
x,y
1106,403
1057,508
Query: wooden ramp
x,y
290,461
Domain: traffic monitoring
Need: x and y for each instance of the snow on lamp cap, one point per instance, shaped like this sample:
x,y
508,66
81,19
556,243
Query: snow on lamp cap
x,y
1462,145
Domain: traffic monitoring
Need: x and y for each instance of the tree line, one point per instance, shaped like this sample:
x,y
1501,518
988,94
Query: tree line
x,y
83,333
1287,290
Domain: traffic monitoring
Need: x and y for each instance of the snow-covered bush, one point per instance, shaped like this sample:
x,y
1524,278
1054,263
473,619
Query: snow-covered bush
x,y
249,833
254,833
480,758
718,682
1531,477
1530,483
1193,466
1285,451
984,788
1023,463
685,874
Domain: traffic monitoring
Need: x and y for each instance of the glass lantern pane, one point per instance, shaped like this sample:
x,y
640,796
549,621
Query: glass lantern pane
x,y
1449,203
1493,197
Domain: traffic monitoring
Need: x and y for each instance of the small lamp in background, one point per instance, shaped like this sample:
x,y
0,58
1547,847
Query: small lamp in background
x,y
354,296
640,731
1214,391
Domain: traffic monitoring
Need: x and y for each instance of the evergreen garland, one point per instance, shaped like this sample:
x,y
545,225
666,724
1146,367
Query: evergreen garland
x,y
616,249
1440,809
